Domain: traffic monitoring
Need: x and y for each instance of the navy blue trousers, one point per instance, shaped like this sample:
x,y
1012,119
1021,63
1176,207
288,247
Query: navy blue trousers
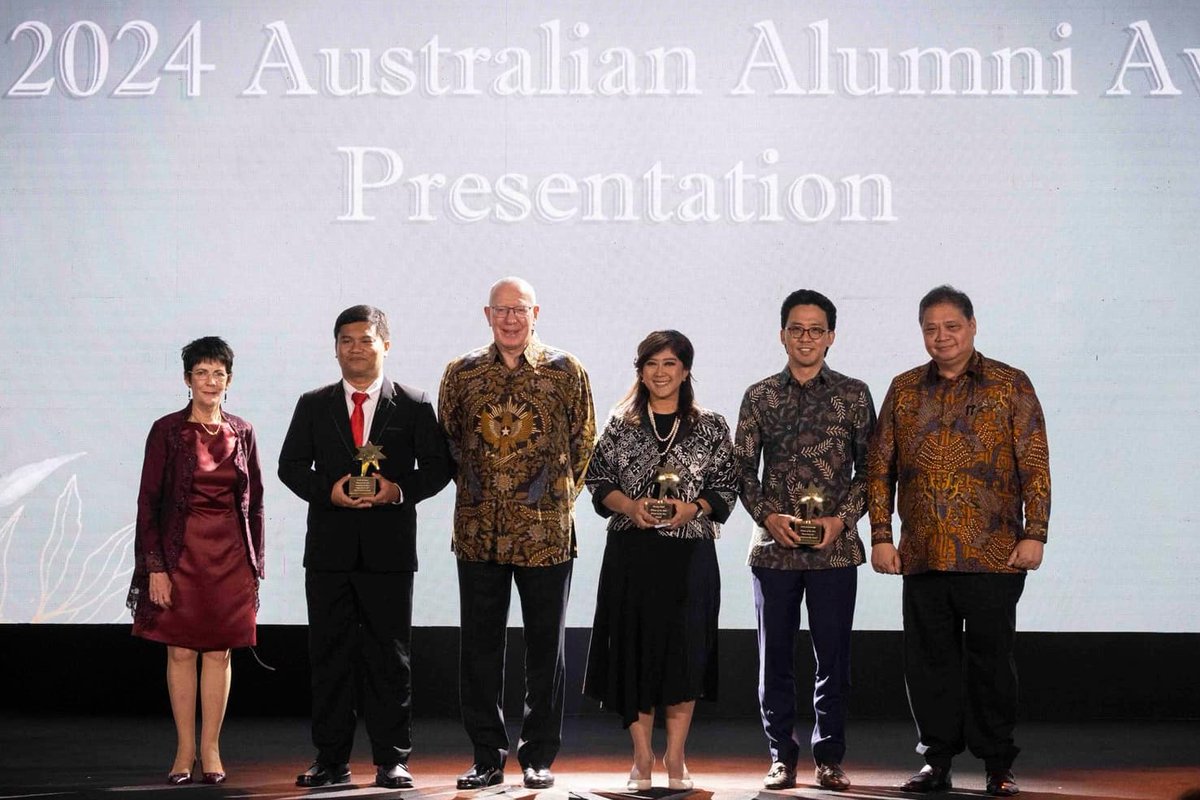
x,y
829,595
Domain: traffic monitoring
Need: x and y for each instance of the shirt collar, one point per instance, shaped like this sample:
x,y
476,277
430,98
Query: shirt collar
x,y
787,377
533,353
974,368
372,390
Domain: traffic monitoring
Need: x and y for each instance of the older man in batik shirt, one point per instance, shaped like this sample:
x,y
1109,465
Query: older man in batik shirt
x,y
522,429
963,438
810,426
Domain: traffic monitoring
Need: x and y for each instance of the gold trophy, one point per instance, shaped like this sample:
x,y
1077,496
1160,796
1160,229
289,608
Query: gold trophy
x,y
668,489
812,503
364,485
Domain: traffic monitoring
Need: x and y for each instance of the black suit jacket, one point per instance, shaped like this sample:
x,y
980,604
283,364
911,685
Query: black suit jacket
x,y
319,449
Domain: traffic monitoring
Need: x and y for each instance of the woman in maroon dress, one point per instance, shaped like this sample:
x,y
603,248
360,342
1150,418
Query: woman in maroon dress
x,y
199,551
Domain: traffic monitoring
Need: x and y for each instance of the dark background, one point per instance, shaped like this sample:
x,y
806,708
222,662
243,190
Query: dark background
x,y
101,669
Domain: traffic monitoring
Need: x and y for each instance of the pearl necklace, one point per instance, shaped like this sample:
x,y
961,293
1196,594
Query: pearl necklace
x,y
670,437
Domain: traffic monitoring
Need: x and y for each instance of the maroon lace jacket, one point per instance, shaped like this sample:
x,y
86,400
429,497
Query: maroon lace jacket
x,y
162,505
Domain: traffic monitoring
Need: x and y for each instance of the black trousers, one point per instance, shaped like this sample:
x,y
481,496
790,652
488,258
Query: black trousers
x,y
359,643
958,664
484,590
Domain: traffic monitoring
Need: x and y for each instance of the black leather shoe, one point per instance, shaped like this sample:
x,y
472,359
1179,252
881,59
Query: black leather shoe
x,y
324,774
538,778
1001,783
479,776
213,778
395,776
929,779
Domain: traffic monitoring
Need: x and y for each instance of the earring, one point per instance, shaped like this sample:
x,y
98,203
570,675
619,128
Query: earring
x,y
189,394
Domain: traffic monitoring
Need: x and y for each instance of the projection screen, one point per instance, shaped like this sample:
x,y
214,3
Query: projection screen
x,y
249,169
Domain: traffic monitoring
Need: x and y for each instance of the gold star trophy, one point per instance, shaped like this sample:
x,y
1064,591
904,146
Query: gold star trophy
x,y
364,485
668,489
806,528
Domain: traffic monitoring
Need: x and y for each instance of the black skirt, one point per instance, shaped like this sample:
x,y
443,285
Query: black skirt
x,y
654,637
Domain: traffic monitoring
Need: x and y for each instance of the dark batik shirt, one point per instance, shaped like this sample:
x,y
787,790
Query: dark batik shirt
x,y
522,439
966,454
818,433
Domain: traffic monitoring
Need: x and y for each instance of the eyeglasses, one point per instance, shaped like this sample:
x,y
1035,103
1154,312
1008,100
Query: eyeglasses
x,y
203,375
798,332
520,312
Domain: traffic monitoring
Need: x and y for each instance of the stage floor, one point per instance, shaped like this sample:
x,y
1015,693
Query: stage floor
x,y
106,757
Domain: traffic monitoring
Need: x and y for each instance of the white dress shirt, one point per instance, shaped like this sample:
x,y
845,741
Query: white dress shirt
x,y
368,405
368,408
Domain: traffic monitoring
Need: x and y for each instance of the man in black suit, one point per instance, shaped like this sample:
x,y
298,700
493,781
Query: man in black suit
x,y
360,552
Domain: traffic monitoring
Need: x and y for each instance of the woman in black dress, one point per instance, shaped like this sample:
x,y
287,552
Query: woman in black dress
x,y
654,638
199,551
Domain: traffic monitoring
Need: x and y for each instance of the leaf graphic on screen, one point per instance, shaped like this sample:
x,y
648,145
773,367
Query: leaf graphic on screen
x,y
6,537
24,480
69,593
101,583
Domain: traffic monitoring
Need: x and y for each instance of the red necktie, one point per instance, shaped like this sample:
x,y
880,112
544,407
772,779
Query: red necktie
x,y
357,418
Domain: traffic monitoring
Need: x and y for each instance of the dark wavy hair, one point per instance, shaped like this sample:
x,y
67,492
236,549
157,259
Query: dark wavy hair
x,y
207,348
368,314
633,405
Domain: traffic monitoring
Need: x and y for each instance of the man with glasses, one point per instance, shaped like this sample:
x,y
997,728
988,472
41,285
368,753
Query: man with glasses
x,y
809,426
521,426
963,440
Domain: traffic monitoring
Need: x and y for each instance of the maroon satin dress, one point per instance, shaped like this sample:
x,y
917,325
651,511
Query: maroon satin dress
x,y
213,591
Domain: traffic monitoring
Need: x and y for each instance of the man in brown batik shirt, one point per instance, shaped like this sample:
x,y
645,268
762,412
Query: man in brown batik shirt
x,y
963,439
521,426
810,427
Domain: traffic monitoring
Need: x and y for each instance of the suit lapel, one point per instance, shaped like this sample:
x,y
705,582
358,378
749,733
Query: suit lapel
x,y
383,411
341,418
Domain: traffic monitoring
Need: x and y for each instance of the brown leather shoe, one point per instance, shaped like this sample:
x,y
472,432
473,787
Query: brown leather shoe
x,y
1001,783
929,779
831,776
780,776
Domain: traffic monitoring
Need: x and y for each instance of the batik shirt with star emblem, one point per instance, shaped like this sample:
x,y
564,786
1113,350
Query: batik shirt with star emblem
x,y
965,456
522,439
815,433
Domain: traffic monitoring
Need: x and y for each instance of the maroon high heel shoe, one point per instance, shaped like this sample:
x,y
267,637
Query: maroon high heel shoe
x,y
180,778
211,778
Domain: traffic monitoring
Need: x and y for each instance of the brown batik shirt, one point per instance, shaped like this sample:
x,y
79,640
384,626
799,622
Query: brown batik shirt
x,y
522,439
816,432
967,454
